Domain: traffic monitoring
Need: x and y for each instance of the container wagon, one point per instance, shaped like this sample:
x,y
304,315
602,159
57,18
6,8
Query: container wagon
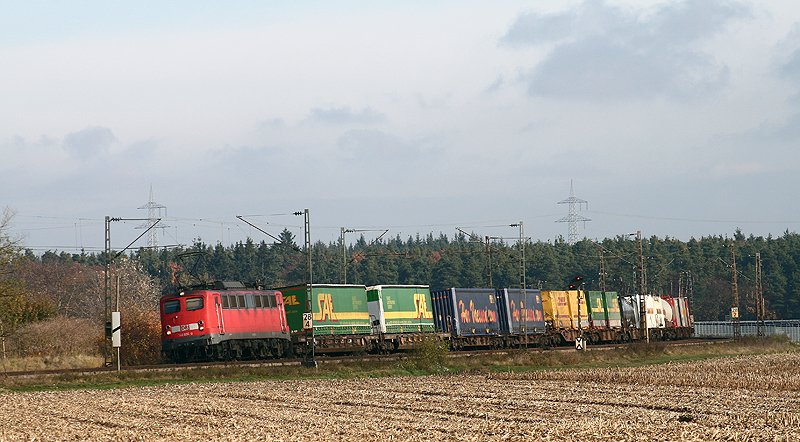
x,y
469,315
566,314
605,324
522,318
340,318
654,324
677,320
401,315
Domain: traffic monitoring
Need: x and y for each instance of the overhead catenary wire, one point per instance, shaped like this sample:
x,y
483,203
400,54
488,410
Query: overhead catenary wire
x,y
693,220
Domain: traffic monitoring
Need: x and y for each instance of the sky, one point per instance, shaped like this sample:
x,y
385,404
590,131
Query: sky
x,y
674,118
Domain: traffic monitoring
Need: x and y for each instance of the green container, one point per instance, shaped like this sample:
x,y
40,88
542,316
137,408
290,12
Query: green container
x,y
401,308
337,309
597,309
612,309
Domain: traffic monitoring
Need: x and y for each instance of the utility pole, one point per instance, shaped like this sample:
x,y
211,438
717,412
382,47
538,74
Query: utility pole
x,y
522,282
577,285
107,357
688,290
602,269
310,344
759,298
489,261
737,331
344,254
116,309
642,287
107,354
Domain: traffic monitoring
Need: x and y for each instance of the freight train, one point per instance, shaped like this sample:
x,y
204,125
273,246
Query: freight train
x,y
228,320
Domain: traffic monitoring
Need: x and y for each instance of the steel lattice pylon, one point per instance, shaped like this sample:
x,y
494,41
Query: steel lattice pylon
x,y
572,218
153,213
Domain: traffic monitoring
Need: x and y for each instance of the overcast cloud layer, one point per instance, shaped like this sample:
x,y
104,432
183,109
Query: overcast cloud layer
x,y
676,118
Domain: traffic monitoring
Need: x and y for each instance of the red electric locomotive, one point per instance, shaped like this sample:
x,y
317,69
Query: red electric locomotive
x,y
223,321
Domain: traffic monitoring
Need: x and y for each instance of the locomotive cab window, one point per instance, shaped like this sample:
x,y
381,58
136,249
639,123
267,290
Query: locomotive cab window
x,y
173,306
194,304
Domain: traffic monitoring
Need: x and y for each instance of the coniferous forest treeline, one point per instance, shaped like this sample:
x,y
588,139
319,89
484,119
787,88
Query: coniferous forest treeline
x,y
698,267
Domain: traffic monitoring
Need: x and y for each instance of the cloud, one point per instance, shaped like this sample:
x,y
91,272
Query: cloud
x,y
789,55
370,144
344,115
602,52
762,151
138,157
89,142
791,70
772,143
374,148
22,145
496,85
531,28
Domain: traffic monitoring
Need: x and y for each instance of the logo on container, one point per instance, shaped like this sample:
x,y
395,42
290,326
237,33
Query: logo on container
x,y
421,306
529,313
475,315
325,304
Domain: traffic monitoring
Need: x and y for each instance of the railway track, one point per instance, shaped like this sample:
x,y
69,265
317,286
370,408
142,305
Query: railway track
x,y
322,360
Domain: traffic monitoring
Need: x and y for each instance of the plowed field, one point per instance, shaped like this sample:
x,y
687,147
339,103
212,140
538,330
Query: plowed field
x,y
743,398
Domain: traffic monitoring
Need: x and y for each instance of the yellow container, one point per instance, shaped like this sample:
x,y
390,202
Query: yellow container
x,y
578,313
561,308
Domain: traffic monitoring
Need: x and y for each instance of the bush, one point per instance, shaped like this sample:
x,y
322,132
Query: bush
x,y
430,354
141,338
58,336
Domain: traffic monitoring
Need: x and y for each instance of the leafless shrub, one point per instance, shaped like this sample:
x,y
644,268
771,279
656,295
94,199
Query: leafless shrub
x,y
57,336
141,338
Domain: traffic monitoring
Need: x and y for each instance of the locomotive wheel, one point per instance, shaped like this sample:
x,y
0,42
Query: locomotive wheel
x,y
276,351
226,353
218,352
287,349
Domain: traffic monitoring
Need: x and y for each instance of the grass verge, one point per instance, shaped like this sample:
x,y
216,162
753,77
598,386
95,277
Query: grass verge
x,y
431,358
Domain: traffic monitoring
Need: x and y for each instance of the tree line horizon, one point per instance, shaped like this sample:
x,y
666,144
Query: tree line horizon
x,y
697,268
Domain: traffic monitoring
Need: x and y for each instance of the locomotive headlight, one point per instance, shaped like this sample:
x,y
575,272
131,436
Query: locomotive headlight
x,y
200,325
168,330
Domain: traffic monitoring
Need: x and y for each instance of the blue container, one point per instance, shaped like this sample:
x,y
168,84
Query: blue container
x,y
529,319
466,311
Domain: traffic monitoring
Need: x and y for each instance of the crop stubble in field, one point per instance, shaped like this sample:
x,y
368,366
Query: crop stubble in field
x,y
743,398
